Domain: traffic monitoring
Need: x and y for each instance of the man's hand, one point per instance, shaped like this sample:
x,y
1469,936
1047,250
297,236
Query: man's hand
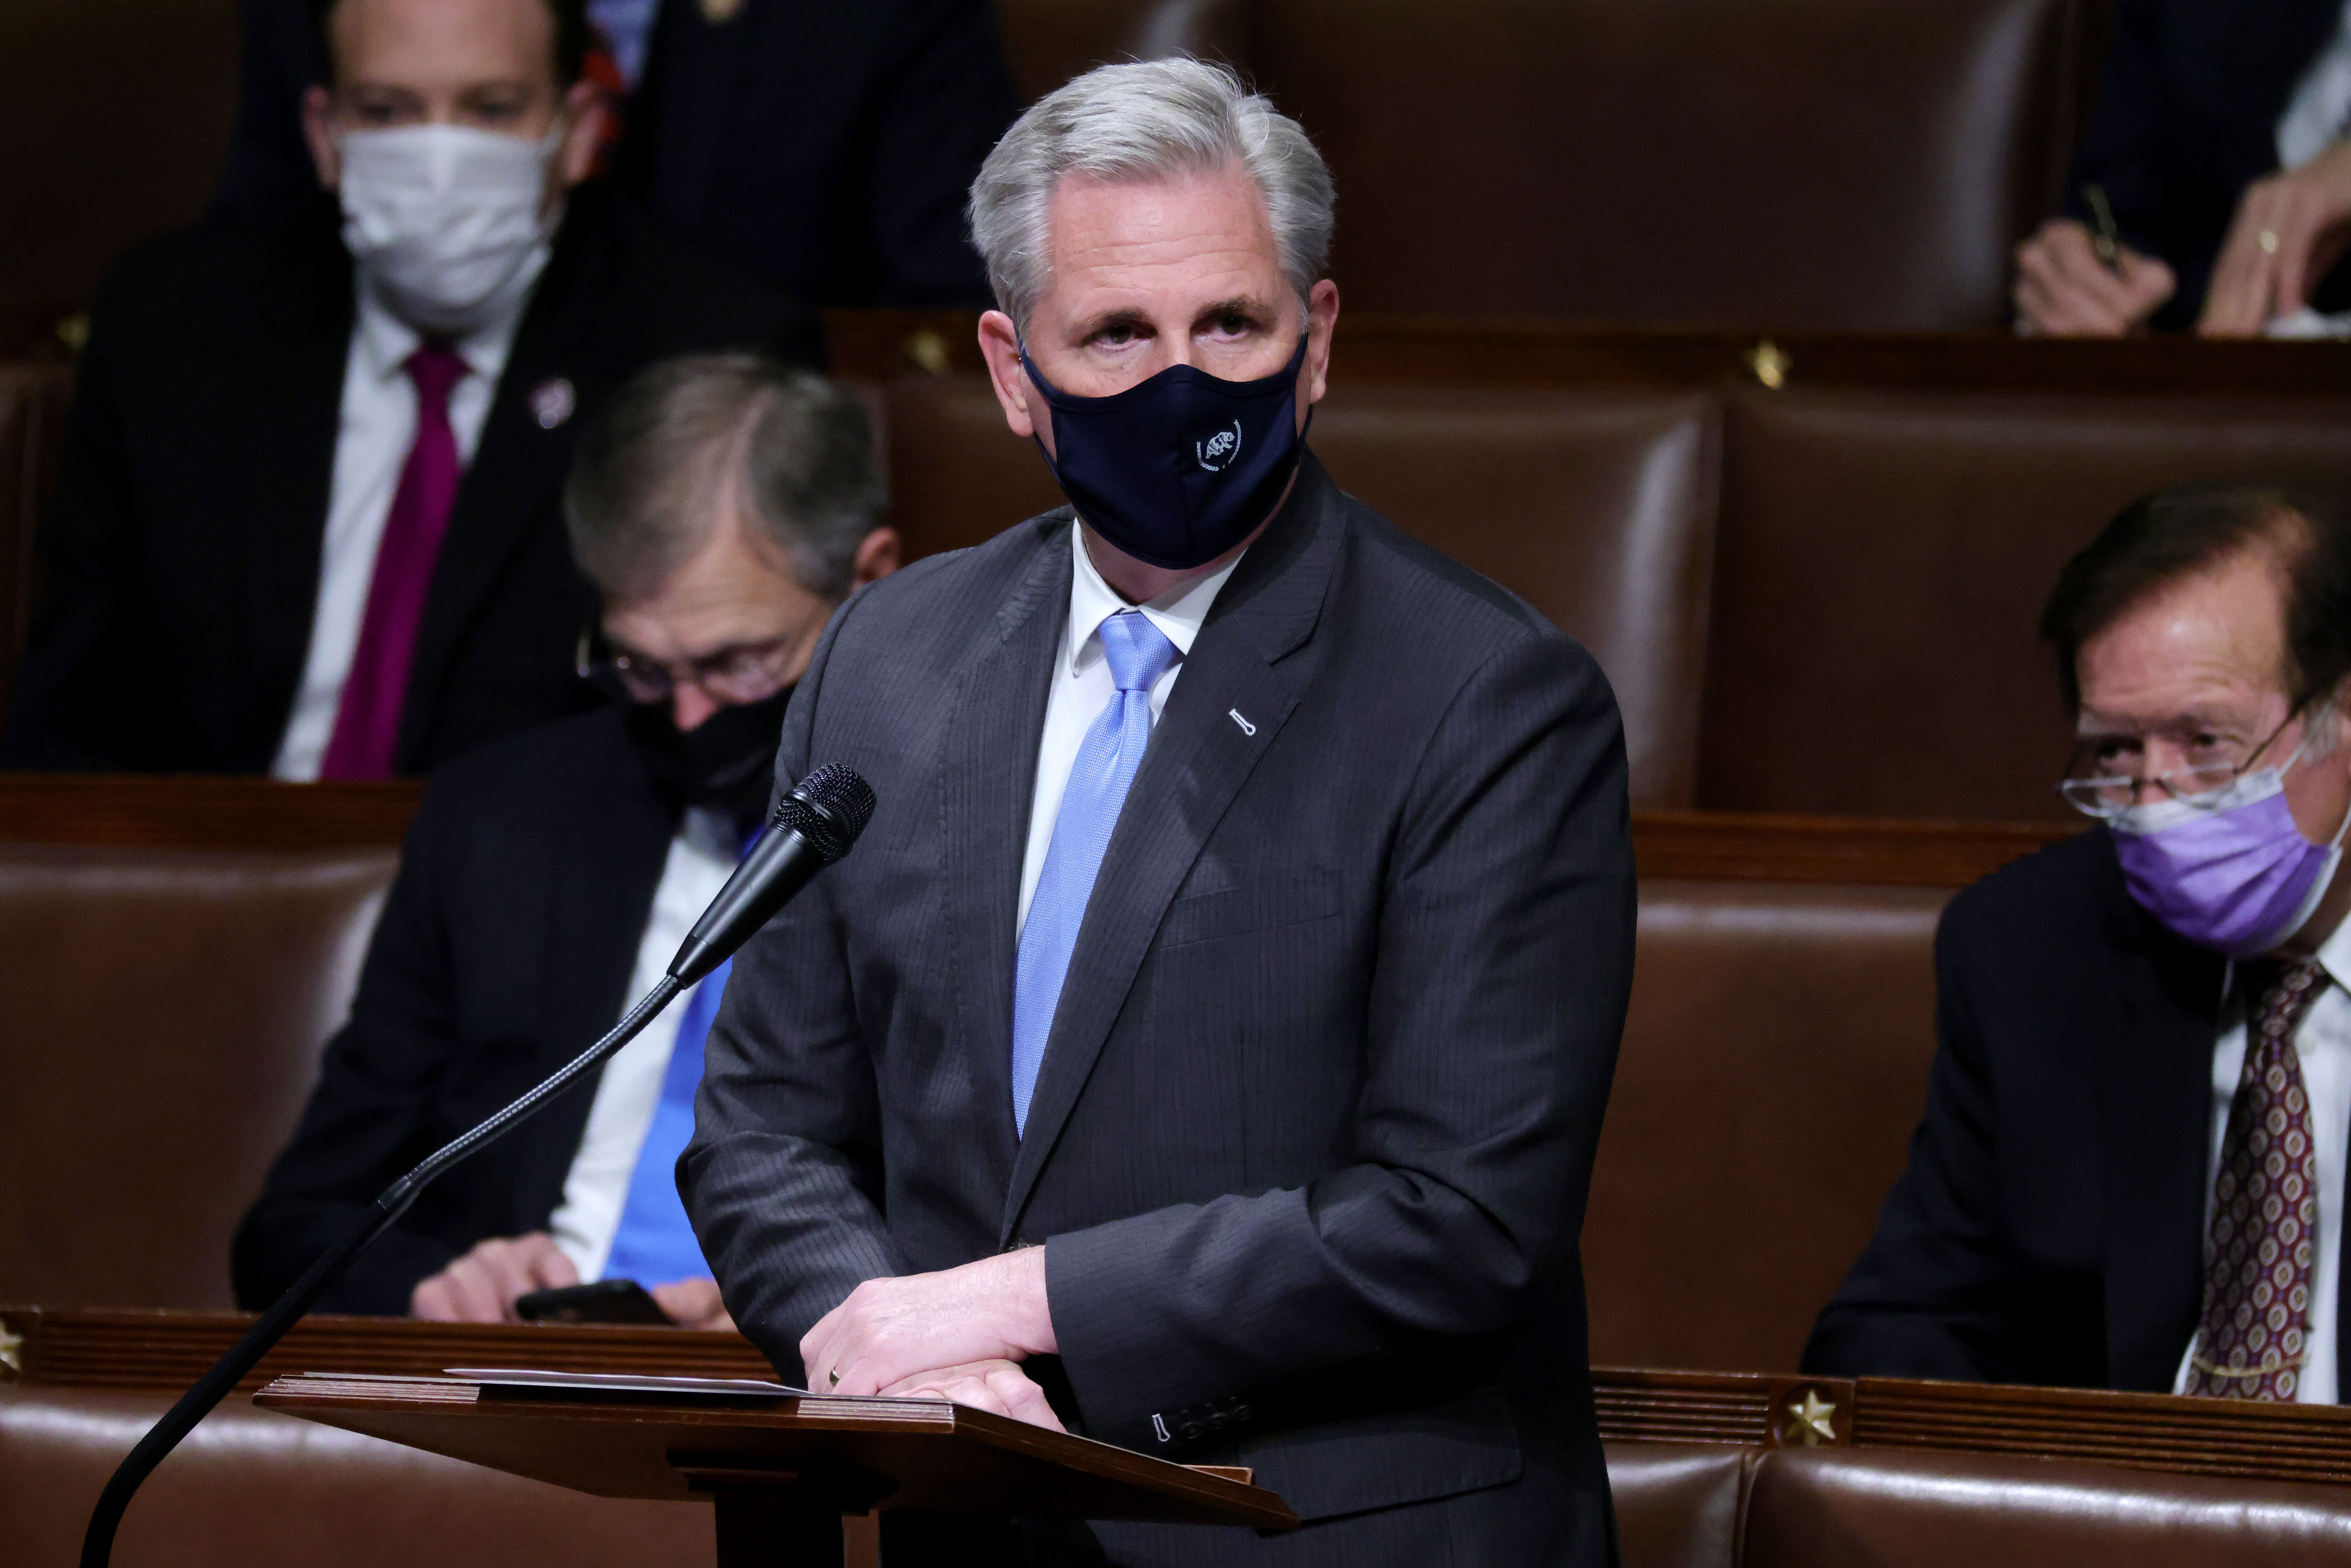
x,y
693,1304
995,1386
481,1287
2289,229
2063,289
890,1331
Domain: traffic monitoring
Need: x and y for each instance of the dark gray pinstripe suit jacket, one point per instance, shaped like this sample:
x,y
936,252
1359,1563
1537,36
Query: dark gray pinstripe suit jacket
x,y
1312,1136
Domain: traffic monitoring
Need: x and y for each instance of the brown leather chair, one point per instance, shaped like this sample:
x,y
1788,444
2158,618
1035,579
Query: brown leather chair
x,y
1882,562
1827,164
114,117
1049,41
32,422
1841,1508
158,1032
1772,1068
1678,1504
250,1486
1596,507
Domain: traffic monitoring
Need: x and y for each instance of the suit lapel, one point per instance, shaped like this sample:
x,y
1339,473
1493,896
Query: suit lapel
x,y
518,465
987,787
608,865
1197,760
288,440
2154,1071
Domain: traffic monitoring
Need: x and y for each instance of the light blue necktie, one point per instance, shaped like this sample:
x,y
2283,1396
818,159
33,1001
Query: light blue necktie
x,y
1138,654
655,1244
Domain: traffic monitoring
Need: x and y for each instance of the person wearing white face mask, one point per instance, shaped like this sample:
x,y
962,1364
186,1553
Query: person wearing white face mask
x,y
2131,1172
308,521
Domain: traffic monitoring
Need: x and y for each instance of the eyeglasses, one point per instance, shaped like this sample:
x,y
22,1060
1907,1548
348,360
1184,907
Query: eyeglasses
x,y
744,672
2202,784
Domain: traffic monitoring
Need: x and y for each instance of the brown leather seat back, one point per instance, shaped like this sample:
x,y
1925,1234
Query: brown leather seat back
x,y
1677,1504
1882,565
957,475
1774,1066
162,1018
1049,41
1826,164
1596,507
114,117
253,1486
1846,1508
32,422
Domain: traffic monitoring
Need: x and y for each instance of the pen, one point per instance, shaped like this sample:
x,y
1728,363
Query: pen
x,y
2104,239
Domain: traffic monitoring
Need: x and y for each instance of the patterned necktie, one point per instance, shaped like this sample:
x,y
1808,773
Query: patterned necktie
x,y
1138,654
655,1244
2265,1210
367,717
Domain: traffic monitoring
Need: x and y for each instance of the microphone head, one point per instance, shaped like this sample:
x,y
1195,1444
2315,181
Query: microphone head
x,y
828,809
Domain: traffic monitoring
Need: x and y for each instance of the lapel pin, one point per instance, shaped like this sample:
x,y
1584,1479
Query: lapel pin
x,y
552,402
1234,715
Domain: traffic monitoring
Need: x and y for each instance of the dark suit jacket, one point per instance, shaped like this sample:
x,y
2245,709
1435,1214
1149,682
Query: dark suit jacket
x,y
1312,1136
2188,99
180,559
503,950
2049,1226
824,148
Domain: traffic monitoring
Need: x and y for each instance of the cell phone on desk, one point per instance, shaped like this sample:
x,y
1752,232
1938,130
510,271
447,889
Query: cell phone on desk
x,y
605,1301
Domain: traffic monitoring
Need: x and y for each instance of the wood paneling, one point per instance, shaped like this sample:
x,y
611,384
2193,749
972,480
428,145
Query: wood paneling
x,y
162,1351
183,811
186,813
877,345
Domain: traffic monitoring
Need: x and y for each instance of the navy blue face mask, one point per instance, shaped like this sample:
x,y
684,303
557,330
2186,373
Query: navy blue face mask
x,y
1177,469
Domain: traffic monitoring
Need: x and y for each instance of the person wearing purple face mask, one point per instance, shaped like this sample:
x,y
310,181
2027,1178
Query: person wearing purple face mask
x,y
2131,1170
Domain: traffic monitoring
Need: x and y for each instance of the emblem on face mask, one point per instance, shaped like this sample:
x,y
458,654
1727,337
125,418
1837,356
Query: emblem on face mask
x,y
1218,453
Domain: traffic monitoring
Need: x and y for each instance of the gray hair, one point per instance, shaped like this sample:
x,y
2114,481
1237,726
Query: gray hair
x,y
1144,121
680,437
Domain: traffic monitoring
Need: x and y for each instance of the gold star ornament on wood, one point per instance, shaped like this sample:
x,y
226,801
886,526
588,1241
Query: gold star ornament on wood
x,y
1812,1420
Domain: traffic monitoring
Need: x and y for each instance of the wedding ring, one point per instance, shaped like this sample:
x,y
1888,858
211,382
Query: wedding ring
x,y
2269,241
834,1378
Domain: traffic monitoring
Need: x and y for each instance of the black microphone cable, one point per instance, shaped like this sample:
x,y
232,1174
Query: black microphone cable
x,y
813,826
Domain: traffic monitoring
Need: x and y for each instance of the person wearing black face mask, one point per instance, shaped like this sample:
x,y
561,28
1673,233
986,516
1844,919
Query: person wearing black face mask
x,y
1205,1049
724,507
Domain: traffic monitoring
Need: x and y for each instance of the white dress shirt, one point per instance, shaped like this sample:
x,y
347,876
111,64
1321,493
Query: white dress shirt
x,y
1082,687
2323,1044
701,858
372,443
2315,117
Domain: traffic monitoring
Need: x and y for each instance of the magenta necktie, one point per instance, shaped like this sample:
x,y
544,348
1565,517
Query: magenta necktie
x,y
367,720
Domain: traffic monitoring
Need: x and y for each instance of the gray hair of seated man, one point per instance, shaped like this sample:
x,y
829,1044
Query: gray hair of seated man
x,y
662,458
1146,121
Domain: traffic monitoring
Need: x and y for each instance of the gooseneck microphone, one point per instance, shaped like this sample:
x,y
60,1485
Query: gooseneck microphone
x,y
812,827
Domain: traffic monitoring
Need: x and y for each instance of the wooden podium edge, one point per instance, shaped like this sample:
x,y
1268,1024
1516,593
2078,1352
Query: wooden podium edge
x,y
1230,1490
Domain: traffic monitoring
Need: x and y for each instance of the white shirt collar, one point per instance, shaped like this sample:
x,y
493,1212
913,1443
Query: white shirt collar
x,y
385,341
2334,955
1179,613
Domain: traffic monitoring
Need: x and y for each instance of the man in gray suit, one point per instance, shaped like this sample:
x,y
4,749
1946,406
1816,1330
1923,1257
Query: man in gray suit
x,y
1205,1045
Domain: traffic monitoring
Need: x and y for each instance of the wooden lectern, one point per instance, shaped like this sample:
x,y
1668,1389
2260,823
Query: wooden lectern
x,y
781,1467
